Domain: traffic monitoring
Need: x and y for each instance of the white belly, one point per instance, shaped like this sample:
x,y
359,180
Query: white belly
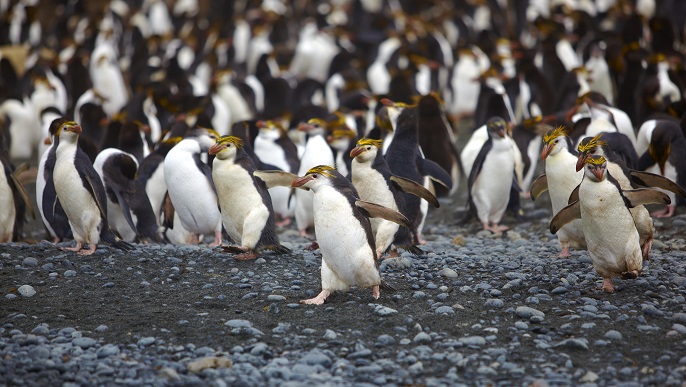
x,y
7,210
491,189
372,187
156,189
80,207
342,240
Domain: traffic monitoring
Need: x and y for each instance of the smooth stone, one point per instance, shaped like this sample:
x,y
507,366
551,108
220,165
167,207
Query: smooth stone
x,y
422,338
581,344
473,340
613,335
238,323
84,342
528,312
144,342
448,273
26,291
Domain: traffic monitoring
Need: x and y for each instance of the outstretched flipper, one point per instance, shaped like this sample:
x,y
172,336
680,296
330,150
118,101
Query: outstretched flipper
x,y
412,187
436,173
539,186
640,196
648,179
275,178
373,210
566,215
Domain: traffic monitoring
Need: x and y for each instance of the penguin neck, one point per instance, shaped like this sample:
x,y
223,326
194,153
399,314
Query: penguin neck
x,y
66,147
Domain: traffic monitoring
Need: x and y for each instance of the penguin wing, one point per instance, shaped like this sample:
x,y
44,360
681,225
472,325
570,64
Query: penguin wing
x,y
167,211
539,186
640,196
92,182
412,187
566,215
373,210
574,195
19,189
436,173
276,178
479,163
648,179
205,169
124,203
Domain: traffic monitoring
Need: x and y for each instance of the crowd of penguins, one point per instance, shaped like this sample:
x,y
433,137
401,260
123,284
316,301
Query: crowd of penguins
x,y
176,121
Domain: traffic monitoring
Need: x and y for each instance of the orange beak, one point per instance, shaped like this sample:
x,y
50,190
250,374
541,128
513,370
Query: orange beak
x,y
356,151
581,161
76,129
303,127
216,148
546,151
598,172
300,181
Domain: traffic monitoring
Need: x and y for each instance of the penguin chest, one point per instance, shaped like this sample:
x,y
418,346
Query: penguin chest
x,y
270,153
78,203
156,189
372,187
491,189
238,198
609,229
7,210
343,240
562,178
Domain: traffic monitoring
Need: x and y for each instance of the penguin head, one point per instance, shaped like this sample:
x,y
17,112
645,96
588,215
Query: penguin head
x,y
68,130
366,150
554,141
340,138
497,127
313,127
317,177
596,168
590,146
270,130
226,147
204,136
659,152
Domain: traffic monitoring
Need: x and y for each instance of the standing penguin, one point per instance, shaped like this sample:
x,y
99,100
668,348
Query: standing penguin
x,y
492,176
375,183
81,193
49,207
190,186
14,202
609,229
405,159
560,179
129,210
246,207
344,232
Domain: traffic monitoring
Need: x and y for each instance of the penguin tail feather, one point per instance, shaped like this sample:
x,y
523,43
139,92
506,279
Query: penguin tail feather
x,y
278,249
386,286
111,239
413,249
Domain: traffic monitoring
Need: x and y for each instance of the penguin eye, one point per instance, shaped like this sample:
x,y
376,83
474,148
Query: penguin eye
x,y
314,176
369,148
592,151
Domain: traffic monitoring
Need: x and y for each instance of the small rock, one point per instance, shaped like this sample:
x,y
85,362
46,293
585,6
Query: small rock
x,y
276,297
29,262
448,273
238,324
613,335
422,338
494,303
84,342
445,310
27,291
209,362
473,340
573,344
70,273
590,377
381,310
528,312
330,335
144,342
107,350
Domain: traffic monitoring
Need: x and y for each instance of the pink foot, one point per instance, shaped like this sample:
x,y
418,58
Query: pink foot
x,y
608,287
283,223
195,239
666,213
77,248
217,239
321,297
645,249
565,252
89,251
245,256
303,234
376,292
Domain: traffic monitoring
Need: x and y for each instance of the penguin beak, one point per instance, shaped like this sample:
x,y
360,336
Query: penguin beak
x,y
300,181
261,124
216,148
581,161
303,127
546,152
356,151
47,141
598,172
501,133
75,129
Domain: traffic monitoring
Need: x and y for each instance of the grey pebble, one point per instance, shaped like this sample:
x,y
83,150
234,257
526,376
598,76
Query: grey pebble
x,y
70,273
613,335
473,340
144,342
528,312
421,338
84,342
29,262
495,303
581,344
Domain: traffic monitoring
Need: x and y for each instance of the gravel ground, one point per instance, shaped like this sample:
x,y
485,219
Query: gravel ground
x,y
477,308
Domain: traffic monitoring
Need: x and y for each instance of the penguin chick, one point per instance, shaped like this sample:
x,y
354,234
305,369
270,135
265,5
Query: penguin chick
x,y
560,179
375,183
245,204
344,232
129,211
609,229
492,176
81,193
190,186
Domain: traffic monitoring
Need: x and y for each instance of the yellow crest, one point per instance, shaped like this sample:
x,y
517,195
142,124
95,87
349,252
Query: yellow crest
x,y
595,160
317,121
324,170
593,143
560,131
231,140
68,123
173,140
368,141
343,133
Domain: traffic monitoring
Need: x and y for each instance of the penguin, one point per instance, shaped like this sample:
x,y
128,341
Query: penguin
x,y
246,207
491,177
129,210
190,186
24,127
344,232
49,206
15,204
609,228
405,159
274,147
317,152
560,179
666,156
373,180
81,193
437,139
107,77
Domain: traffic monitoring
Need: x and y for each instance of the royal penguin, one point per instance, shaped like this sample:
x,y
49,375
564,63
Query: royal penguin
x,y
190,186
375,183
274,147
560,179
666,156
405,159
246,207
609,228
317,152
23,127
81,193
14,201
344,232
108,80
49,206
491,177
129,210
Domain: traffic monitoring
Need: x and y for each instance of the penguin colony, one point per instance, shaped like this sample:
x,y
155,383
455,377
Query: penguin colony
x,y
171,121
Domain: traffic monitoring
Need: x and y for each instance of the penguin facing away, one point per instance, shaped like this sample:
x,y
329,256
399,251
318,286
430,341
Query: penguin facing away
x,y
245,204
81,193
609,229
493,168
344,232
560,179
14,202
375,183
